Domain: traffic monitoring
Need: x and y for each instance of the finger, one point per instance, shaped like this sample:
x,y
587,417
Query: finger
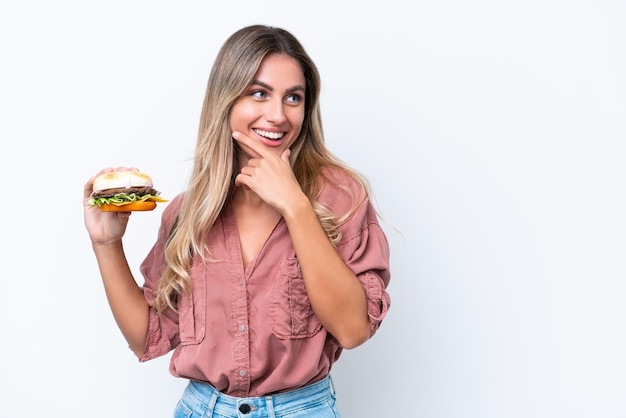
x,y
105,170
285,155
120,168
250,143
88,188
247,170
123,215
126,169
89,185
240,181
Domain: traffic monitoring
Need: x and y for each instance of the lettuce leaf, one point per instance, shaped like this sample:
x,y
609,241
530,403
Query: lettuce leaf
x,y
124,198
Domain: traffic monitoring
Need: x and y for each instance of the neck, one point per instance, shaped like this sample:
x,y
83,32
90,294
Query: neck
x,y
245,196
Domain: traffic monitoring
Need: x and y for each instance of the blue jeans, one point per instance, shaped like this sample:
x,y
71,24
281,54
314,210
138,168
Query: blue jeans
x,y
201,400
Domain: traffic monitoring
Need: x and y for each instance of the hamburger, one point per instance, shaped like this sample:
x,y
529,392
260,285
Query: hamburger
x,y
124,191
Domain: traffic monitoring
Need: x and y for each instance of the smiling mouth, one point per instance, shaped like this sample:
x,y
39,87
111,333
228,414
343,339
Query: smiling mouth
x,y
274,136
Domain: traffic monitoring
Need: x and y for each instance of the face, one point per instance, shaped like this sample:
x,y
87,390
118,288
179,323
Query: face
x,y
272,108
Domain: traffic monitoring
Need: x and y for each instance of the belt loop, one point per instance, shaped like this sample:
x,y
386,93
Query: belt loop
x,y
331,384
269,404
211,406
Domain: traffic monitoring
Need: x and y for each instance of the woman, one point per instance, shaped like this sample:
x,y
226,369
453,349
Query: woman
x,y
270,263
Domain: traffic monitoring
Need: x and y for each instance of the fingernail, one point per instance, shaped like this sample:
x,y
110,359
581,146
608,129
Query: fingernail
x,y
235,134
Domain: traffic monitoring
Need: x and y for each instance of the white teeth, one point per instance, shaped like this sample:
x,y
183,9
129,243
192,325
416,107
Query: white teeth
x,y
270,135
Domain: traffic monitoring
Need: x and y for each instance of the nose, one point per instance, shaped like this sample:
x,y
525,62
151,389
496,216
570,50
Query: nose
x,y
275,111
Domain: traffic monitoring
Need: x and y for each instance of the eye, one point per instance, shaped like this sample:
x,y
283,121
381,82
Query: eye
x,y
293,99
259,94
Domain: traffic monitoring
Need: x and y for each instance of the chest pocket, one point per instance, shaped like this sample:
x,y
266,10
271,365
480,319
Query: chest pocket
x,y
192,308
291,312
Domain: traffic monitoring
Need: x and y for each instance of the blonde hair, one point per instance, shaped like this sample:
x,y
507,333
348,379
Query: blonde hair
x,y
215,164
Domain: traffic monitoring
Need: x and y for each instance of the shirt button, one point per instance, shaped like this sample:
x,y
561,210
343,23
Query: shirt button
x,y
242,328
242,373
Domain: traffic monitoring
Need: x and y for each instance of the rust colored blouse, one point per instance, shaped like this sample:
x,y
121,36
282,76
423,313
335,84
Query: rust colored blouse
x,y
253,332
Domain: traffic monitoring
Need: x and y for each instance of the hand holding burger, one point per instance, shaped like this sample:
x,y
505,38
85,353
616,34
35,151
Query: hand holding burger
x,y
124,191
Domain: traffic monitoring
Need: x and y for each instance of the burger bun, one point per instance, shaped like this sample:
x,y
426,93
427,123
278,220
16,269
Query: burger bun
x,y
121,179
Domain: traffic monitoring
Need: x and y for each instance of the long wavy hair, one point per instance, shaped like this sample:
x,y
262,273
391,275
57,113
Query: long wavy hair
x,y
215,163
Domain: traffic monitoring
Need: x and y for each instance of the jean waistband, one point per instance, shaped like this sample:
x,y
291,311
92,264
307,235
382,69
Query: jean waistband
x,y
207,397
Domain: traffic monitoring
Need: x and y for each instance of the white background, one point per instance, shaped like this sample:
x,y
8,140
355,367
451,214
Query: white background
x,y
492,133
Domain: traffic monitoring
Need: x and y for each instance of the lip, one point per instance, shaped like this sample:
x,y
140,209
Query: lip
x,y
267,141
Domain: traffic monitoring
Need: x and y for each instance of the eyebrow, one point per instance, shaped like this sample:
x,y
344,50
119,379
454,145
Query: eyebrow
x,y
270,88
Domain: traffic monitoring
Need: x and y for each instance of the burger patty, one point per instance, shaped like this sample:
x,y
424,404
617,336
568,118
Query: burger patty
x,y
140,191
